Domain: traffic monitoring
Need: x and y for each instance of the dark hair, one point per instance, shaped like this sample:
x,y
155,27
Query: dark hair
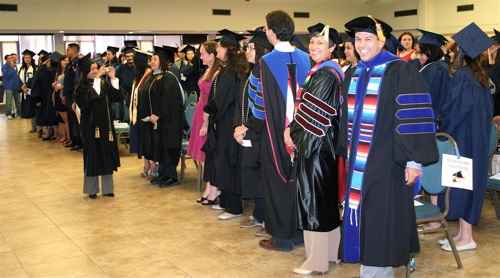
x,y
74,46
211,48
114,60
315,34
84,71
236,59
140,69
478,71
412,38
433,52
355,52
281,23
163,63
60,69
6,57
260,51
25,66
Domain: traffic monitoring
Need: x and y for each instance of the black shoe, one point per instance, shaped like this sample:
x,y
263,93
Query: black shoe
x,y
72,145
159,179
169,183
109,195
45,139
76,148
93,196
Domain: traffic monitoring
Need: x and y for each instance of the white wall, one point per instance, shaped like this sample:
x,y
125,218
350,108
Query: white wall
x,y
169,15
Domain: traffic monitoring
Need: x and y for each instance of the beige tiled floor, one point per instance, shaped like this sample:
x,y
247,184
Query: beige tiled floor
x,y
49,228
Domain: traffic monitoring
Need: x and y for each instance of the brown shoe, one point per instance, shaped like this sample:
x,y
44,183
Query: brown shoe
x,y
269,245
261,232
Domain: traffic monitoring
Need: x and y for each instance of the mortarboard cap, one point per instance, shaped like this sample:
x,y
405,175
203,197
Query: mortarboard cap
x,y
128,49
28,52
55,56
112,49
174,49
431,38
45,57
496,37
43,52
132,44
350,37
333,35
371,25
260,38
472,40
165,53
85,62
231,38
296,41
141,55
392,44
188,48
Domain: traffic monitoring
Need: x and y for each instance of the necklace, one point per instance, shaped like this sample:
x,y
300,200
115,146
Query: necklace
x,y
244,114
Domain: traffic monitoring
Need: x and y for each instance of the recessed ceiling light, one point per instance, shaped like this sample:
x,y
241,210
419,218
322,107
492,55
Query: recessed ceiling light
x,y
130,32
61,31
240,32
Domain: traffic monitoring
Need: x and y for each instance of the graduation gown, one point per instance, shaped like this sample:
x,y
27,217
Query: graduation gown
x,y
249,181
100,148
316,166
278,175
161,95
220,147
387,221
468,120
437,78
28,106
46,114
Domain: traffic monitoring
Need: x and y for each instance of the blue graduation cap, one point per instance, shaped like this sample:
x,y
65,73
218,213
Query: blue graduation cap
x,y
295,41
496,37
472,40
142,56
392,44
431,38
55,56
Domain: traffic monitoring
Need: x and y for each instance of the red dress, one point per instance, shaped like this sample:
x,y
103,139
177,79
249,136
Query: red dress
x,y
195,140
407,57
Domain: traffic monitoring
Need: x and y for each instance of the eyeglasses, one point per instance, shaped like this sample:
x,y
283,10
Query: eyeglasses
x,y
249,48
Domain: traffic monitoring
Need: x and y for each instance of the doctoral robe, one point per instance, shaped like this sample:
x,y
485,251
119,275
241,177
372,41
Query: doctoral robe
x,y
381,230
315,132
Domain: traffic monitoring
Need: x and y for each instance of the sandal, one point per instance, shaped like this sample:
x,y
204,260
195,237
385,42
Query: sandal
x,y
145,172
153,173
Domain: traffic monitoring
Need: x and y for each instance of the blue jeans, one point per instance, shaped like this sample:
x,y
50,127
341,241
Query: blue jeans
x,y
288,243
9,94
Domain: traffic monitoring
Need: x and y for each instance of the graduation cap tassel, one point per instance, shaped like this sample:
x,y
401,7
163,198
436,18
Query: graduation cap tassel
x,y
378,28
97,133
110,136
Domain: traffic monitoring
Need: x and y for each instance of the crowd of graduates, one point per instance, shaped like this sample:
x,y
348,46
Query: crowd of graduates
x,y
272,121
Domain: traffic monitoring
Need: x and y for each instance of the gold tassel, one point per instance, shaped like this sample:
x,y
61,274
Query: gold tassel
x,y
378,28
97,133
110,136
155,125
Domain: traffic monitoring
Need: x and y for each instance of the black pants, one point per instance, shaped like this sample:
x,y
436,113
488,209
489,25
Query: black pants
x,y
231,202
168,171
74,126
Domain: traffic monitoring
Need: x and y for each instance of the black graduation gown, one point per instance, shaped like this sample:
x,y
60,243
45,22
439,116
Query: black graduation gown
x,y
46,114
100,154
161,95
28,106
316,166
249,181
221,149
388,230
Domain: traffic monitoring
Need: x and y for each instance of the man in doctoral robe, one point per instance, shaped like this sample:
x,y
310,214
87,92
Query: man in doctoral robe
x,y
282,72
388,125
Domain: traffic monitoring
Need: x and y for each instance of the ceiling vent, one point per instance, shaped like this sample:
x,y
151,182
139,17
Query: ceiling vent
x,y
120,10
465,8
221,12
8,8
405,13
300,15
